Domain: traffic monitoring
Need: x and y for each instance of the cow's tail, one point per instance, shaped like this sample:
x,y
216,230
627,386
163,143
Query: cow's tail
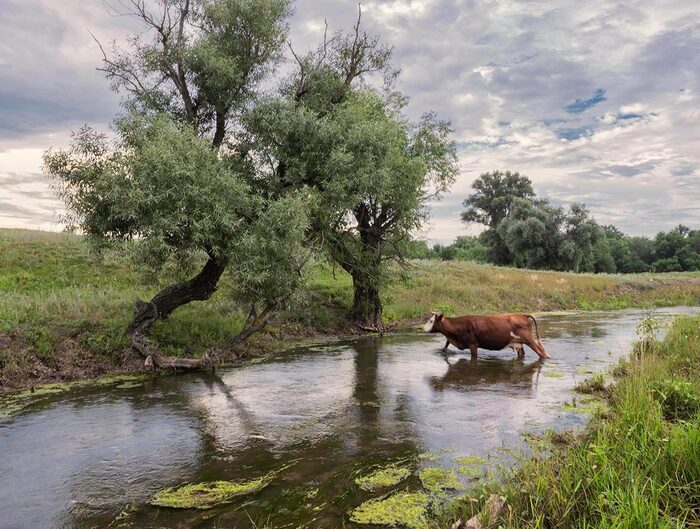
x,y
537,332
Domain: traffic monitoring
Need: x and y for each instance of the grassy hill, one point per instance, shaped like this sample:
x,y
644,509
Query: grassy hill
x,y
63,312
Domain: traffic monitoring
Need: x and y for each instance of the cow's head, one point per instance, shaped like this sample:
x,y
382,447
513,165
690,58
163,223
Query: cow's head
x,y
434,318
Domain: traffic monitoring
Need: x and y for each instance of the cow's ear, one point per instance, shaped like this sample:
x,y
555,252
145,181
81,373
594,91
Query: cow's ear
x,y
438,317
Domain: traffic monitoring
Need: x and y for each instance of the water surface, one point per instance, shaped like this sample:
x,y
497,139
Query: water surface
x,y
94,458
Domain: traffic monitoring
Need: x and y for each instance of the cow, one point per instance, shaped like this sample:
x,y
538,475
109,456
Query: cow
x,y
488,332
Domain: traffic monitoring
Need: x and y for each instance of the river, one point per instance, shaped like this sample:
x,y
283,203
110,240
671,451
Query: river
x,y
94,458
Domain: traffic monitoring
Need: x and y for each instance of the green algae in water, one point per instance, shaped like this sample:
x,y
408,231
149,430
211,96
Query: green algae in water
x,y
371,404
436,479
206,495
405,509
470,460
428,456
589,406
384,477
130,385
553,374
470,466
15,402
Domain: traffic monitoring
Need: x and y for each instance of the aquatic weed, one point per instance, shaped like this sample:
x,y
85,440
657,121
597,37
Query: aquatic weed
x,y
470,466
406,509
207,494
437,479
384,477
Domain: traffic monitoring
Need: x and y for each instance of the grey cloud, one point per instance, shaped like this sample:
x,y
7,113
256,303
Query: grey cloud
x,y
13,209
49,81
630,170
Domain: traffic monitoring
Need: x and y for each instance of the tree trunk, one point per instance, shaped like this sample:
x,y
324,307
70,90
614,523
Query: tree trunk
x,y
366,305
199,288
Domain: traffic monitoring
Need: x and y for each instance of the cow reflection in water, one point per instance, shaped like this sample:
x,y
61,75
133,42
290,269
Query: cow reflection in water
x,y
475,371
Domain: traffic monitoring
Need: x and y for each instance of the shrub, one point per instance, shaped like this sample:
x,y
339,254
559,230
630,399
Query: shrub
x,y
680,400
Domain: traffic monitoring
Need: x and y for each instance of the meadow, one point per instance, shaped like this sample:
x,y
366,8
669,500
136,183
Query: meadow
x,y
63,310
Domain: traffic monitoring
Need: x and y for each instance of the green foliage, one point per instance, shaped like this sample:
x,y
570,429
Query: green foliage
x,y
494,196
179,181
465,248
594,384
201,66
372,170
162,187
42,341
269,257
419,249
538,235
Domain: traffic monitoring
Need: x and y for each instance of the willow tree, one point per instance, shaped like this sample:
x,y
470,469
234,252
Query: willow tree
x,y
338,128
177,179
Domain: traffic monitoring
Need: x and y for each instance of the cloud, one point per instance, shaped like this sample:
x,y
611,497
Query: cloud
x,y
26,200
49,82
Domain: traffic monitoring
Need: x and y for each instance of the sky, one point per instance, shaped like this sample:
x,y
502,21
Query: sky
x,y
596,102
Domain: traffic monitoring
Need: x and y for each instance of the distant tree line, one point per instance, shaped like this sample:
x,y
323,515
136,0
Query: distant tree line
x,y
525,231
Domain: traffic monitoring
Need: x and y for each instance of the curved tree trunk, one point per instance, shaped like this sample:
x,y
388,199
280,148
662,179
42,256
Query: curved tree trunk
x,y
199,288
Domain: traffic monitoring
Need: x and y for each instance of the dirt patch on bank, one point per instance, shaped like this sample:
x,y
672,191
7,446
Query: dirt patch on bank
x,y
22,365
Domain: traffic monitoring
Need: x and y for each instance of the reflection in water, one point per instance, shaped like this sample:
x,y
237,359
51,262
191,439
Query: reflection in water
x,y
466,373
79,460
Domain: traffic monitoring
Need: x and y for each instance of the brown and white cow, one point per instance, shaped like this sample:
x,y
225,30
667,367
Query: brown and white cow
x,y
488,332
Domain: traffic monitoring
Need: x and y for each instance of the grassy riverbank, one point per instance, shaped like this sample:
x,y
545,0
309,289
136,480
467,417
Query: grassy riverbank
x,y
638,464
62,312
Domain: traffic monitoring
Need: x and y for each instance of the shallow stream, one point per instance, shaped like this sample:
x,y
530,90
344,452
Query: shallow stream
x,y
317,417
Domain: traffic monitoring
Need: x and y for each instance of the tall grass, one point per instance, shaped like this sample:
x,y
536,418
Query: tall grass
x,y
633,468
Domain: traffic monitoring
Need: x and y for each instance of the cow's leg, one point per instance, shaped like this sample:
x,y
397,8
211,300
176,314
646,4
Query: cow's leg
x,y
521,352
447,344
473,348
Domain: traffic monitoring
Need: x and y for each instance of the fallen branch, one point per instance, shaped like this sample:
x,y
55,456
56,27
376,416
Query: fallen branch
x,y
370,328
153,358
146,313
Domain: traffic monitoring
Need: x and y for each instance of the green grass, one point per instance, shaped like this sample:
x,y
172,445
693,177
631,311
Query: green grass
x,y
63,311
637,466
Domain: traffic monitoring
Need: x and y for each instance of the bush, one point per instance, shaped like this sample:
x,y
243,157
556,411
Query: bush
x,y
670,264
679,399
